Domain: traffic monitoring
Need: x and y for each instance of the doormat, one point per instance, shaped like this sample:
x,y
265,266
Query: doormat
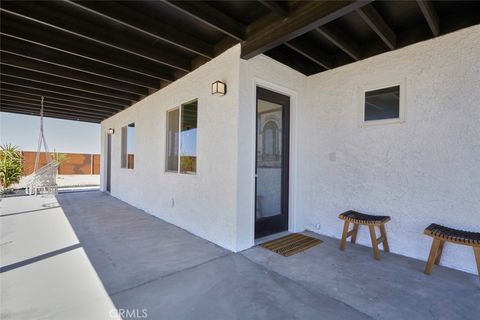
x,y
291,244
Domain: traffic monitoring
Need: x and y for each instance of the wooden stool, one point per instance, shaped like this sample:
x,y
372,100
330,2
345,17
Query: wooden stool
x,y
440,234
358,219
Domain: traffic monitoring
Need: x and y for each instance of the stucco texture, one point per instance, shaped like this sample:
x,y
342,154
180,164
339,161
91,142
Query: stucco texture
x,y
425,170
204,203
421,171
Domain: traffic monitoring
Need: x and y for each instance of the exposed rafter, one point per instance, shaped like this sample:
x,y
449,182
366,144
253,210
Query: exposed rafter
x,y
6,88
370,15
304,17
313,54
341,41
66,116
207,14
42,15
430,15
25,98
66,83
146,25
54,70
65,60
8,101
56,40
60,90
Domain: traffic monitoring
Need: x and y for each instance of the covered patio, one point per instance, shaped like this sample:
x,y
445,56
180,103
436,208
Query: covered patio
x,y
87,255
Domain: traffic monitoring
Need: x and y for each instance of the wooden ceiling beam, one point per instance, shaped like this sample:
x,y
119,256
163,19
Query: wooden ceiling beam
x,y
35,105
4,79
34,108
270,32
71,63
17,110
66,83
55,40
70,74
205,13
311,53
74,27
17,96
375,21
430,15
33,93
341,41
120,14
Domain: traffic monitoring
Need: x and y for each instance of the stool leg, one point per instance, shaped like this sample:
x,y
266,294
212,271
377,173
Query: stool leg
x,y
383,233
432,256
373,236
476,250
355,232
440,251
343,242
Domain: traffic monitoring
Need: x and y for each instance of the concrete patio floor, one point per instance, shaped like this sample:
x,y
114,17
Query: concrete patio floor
x,y
87,255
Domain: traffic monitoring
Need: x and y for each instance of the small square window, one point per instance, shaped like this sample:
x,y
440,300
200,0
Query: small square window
x,y
382,105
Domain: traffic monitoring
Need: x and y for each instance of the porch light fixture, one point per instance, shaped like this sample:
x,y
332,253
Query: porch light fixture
x,y
219,88
110,131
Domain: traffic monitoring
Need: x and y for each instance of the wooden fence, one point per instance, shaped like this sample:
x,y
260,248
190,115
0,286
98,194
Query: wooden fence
x,y
74,163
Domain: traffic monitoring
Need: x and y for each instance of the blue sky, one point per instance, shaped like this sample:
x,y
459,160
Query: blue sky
x,y
61,135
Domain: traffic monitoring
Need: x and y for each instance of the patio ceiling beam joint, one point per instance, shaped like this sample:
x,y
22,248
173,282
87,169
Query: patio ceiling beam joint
x,y
272,31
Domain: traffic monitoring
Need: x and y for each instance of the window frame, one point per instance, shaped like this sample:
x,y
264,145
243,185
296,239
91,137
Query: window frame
x,y
377,86
180,111
167,142
124,146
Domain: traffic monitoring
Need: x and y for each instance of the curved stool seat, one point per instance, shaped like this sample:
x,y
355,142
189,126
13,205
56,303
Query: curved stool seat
x,y
357,219
441,234
362,218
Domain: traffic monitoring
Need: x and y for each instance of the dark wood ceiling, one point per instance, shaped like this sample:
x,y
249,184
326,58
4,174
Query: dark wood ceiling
x,y
92,59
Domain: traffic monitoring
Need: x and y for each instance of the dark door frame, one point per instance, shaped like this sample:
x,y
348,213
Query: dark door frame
x,y
279,223
108,180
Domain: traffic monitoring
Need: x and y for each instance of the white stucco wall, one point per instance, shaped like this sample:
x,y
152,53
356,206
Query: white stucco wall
x,y
426,170
422,171
204,203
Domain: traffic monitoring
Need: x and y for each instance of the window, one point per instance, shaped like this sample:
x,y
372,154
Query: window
x,y
181,153
128,146
173,117
270,141
382,105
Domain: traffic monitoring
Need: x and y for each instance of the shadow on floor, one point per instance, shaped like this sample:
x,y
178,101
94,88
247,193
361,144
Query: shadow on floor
x,y
148,267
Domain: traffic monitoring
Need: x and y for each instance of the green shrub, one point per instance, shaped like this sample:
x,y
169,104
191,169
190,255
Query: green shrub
x,y
11,165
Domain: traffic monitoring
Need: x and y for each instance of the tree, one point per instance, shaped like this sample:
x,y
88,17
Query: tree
x,y
11,165
59,157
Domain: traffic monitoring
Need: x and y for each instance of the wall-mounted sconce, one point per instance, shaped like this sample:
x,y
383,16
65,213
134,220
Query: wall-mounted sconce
x,y
219,88
110,131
